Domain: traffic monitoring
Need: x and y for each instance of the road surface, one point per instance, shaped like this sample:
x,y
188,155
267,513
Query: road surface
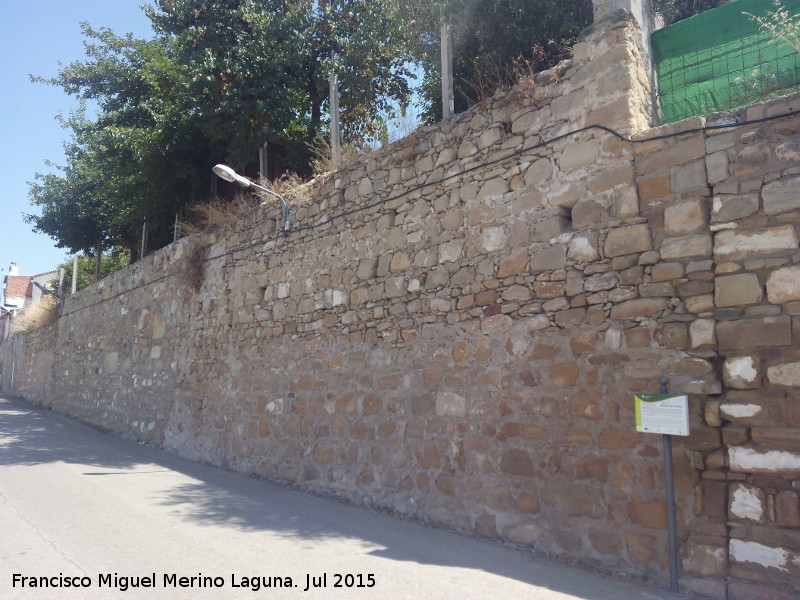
x,y
84,515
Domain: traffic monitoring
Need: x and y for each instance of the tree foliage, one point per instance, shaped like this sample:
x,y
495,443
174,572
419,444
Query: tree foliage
x,y
112,261
219,79
678,10
492,41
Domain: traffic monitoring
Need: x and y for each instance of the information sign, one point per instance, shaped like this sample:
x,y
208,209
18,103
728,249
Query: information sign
x,y
662,413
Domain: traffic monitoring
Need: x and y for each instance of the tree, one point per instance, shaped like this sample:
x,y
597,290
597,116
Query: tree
x,y
219,79
141,158
114,260
678,10
492,40
260,67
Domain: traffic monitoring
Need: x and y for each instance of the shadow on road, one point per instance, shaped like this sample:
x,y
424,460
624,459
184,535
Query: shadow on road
x,y
31,436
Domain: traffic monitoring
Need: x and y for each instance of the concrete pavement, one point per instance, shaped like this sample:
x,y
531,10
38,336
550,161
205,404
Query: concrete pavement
x,y
98,513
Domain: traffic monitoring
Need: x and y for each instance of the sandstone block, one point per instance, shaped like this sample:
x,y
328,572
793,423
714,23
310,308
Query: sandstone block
x,y
787,374
517,462
731,208
690,176
574,500
549,259
789,151
583,247
717,167
787,509
781,437
579,154
450,403
628,240
689,246
781,196
617,439
747,503
752,160
743,372
642,307
702,334
564,374
737,290
734,245
640,547
652,515
754,333
654,188
513,264
685,217
744,459
601,281
565,194
524,534
783,285
706,560
667,271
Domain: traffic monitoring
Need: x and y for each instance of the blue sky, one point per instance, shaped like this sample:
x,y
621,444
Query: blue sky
x,y
35,35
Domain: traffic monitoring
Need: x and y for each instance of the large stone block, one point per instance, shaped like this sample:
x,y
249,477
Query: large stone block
x,y
743,372
734,245
688,246
747,502
787,374
744,459
685,217
628,240
783,285
642,307
780,437
737,290
583,247
549,259
781,196
754,333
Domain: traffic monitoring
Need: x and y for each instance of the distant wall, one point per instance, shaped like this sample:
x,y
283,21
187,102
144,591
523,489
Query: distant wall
x,y
456,327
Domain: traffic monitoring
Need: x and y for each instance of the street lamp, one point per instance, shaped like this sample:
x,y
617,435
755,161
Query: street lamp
x,y
228,174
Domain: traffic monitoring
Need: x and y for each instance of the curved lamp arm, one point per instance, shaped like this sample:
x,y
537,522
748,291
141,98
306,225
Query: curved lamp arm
x,y
228,174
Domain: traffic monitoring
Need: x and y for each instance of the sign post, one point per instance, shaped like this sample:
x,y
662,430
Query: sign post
x,y
667,414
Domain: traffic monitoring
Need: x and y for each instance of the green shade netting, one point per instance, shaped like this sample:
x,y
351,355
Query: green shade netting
x,y
720,60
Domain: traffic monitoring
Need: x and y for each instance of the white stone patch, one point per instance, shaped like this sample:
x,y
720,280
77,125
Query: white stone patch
x,y
746,504
583,248
741,368
451,251
749,460
450,403
739,411
283,290
494,238
275,406
753,552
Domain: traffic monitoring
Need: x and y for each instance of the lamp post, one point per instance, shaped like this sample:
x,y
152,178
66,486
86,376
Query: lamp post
x,y
228,174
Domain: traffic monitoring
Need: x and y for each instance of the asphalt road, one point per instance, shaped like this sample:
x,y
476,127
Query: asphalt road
x,y
96,512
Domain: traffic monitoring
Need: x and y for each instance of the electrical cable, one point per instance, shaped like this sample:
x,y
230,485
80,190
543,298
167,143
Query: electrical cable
x,y
482,165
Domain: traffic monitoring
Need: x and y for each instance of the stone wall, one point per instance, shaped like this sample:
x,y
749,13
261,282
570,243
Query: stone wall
x,y
456,325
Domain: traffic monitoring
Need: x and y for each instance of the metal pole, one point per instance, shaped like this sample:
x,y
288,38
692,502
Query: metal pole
x,y
336,140
669,478
448,103
74,273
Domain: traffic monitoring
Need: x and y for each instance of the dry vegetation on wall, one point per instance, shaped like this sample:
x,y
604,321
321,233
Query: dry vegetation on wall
x,y
42,314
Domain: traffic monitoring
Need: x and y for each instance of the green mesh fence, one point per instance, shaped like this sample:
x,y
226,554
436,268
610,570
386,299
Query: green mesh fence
x,y
719,60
